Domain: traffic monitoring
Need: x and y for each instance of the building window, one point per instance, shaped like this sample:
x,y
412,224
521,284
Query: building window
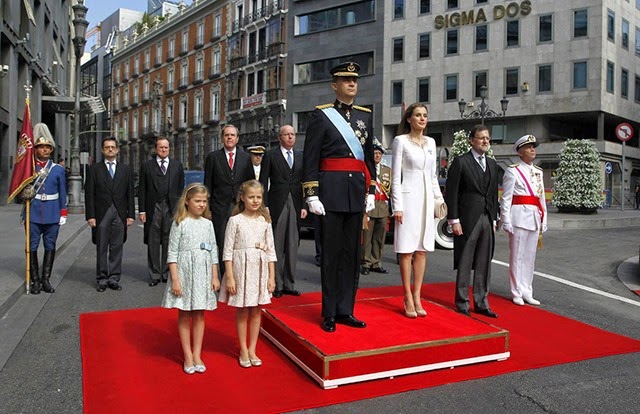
x,y
452,4
126,71
215,106
197,110
217,25
199,69
637,88
610,77
625,34
185,41
396,93
513,33
318,71
451,88
611,25
544,78
423,90
638,40
624,83
398,9
171,53
579,75
580,23
147,59
424,46
398,49
452,41
136,65
545,28
184,73
170,79
341,16
479,80
216,62
511,81
425,6
200,35
482,40
159,53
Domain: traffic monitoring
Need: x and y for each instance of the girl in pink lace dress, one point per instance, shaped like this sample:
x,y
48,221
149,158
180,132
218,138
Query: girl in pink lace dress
x,y
249,258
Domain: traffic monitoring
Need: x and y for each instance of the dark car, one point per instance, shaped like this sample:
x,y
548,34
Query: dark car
x,y
193,176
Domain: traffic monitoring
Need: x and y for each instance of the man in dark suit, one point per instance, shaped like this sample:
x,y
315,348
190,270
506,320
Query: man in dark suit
x,y
109,210
160,186
224,171
338,181
282,173
472,200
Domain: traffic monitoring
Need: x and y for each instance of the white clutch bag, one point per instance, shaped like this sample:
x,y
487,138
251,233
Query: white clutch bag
x,y
440,208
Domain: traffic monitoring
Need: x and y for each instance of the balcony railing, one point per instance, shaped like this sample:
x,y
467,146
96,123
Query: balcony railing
x,y
184,82
181,125
184,50
125,104
212,118
234,104
145,97
198,77
169,88
237,62
171,54
158,62
214,71
136,73
274,94
125,77
199,42
196,121
146,67
134,100
266,12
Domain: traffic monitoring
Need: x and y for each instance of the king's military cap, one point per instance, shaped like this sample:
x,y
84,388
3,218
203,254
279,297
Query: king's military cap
x,y
346,69
42,136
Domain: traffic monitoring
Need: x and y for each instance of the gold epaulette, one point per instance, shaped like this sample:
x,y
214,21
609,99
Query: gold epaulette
x,y
535,166
361,108
373,182
514,165
325,106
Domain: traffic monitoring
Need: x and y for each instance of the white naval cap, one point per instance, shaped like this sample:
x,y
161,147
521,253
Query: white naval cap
x,y
524,140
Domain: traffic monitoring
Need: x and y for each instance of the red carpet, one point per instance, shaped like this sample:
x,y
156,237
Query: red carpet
x,y
132,360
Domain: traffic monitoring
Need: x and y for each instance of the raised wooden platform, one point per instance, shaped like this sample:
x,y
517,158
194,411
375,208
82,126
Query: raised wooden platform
x,y
391,345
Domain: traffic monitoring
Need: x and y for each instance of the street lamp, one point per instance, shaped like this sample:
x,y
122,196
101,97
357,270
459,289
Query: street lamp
x,y
483,110
80,24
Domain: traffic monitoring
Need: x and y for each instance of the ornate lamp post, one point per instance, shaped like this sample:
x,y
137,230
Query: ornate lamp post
x,y
80,24
483,110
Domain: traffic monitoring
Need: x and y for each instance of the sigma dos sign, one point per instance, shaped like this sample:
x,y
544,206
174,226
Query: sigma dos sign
x,y
478,16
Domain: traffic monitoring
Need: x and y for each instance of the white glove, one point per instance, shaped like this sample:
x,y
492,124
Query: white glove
x,y
63,220
370,204
544,228
507,227
315,206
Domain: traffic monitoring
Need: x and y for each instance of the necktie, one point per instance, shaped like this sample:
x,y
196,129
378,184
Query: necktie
x,y
482,164
111,171
289,159
231,160
162,167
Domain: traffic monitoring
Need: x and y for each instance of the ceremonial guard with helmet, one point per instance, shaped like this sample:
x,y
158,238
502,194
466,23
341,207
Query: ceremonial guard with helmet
x,y
339,186
376,220
524,216
48,210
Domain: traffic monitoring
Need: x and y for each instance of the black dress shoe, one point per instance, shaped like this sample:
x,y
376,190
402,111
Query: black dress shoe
x,y
487,312
292,292
114,286
101,288
277,293
328,325
364,271
379,270
154,283
465,312
351,321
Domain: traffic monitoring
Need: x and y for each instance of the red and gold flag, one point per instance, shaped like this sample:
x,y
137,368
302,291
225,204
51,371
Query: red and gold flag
x,y
24,169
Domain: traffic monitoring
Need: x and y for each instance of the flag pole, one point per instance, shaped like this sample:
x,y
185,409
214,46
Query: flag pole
x,y
27,240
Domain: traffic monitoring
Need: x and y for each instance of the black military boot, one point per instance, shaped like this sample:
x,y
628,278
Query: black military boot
x,y
47,266
34,285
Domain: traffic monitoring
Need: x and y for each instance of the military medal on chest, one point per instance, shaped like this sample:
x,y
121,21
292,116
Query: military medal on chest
x,y
361,132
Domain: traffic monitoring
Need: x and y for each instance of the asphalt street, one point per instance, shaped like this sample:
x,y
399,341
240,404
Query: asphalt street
x,y
43,374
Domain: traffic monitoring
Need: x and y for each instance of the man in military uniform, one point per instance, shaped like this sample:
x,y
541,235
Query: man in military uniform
x,y
523,212
339,185
48,209
376,229
257,153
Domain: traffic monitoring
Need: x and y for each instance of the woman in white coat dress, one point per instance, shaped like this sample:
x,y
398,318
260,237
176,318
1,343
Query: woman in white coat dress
x,y
413,190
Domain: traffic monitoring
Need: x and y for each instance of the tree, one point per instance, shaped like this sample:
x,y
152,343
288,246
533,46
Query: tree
x,y
578,184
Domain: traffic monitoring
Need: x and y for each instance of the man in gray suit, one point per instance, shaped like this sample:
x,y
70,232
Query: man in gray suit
x,y
472,200
282,168
109,210
161,183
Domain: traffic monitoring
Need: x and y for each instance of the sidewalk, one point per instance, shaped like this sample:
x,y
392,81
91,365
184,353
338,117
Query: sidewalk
x,y
12,269
12,246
